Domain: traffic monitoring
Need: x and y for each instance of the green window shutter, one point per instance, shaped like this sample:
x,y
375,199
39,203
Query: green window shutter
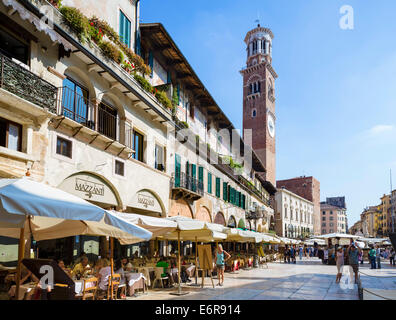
x,y
232,195
200,178
151,63
177,170
188,168
243,202
218,187
194,176
225,189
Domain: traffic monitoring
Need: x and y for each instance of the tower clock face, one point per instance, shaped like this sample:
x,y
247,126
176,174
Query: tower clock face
x,y
271,125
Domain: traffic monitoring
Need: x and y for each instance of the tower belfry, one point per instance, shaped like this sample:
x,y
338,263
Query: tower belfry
x,y
259,97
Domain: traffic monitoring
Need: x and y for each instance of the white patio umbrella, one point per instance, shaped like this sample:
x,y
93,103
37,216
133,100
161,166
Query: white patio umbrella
x,y
193,230
157,226
32,208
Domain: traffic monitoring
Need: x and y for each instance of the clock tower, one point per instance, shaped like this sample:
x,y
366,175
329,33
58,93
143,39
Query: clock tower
x,y
259,98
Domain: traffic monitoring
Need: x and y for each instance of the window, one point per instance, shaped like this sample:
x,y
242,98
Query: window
x,y
331,224
10,135
323,224
107,124
331,212
64,147
75,102
12,47
324,212
119,168
138,146
324,219
331,230
331,218
323,231
159,158
254,113
125,29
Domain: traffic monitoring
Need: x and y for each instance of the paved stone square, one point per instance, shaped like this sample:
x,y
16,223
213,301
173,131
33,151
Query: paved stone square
x,y
309,279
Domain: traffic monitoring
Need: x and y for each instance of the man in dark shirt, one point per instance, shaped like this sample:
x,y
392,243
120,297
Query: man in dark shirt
x,y
353,254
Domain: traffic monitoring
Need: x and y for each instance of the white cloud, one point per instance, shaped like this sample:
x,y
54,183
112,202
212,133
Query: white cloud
x,y
380,129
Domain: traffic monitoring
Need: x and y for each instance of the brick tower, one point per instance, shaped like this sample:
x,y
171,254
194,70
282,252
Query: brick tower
x,y
259,98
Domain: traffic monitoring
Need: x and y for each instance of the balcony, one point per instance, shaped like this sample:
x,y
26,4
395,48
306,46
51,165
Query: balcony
x,y
19,81
100,121
186,187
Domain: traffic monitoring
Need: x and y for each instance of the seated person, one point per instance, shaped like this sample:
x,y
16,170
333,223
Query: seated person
x,y
165,265
103,275
61,264
82,268
120,270
127,266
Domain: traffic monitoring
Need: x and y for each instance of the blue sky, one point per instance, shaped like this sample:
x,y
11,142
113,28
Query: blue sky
x,y
336,91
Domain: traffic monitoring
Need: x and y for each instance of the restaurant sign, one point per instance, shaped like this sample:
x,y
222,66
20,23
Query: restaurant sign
x,y
145,200
90,187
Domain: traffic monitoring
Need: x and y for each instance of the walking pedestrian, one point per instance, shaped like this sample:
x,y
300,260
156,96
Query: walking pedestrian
x,y
293,254
287,254
392,257
220,263
353,260
326,255
300,252
378,256
339,263
372,257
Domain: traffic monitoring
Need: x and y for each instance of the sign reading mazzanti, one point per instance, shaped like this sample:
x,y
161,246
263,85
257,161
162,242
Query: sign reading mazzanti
x,y
146,200
89,187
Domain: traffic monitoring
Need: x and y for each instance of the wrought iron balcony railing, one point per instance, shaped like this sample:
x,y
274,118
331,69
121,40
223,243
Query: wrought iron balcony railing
x,y
25,84
182,180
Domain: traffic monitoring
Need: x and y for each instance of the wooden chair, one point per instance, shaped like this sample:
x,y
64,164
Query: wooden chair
x,y
158,271
89,289
114,283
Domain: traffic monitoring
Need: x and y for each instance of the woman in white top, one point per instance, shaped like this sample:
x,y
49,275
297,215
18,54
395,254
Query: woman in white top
x,y
340,263
104,274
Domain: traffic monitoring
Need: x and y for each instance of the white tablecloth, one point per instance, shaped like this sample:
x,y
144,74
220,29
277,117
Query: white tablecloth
x,y
134,277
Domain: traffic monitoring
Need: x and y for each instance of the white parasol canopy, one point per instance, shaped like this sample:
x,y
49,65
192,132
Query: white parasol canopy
x,y
157,226
48,213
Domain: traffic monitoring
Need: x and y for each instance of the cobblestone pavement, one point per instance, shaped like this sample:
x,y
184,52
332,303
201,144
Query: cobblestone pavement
x,y
309,279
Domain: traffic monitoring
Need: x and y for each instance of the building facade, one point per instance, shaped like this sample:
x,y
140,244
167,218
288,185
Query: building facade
x,y
333,219
99,114
308,188
294,215
367,218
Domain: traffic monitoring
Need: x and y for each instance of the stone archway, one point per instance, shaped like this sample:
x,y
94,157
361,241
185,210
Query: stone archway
x,y
241,224
180,208
219,219
231,222
204,215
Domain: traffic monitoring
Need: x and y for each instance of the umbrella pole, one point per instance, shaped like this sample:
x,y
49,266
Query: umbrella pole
x,y
112,266
21,251
179,291
178,260
196,261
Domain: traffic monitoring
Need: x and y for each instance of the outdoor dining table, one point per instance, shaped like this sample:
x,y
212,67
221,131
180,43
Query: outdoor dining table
x,y
135,280
79,286
26,291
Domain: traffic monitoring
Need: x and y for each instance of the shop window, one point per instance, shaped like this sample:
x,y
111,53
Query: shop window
x,y
13,48
10,135
64,147
119,168
138,146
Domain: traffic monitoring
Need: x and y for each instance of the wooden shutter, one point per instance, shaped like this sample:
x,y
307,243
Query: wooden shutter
x,y
177,170
218,187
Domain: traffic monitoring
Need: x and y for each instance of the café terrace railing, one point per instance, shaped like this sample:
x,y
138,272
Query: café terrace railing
x,y
16,79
